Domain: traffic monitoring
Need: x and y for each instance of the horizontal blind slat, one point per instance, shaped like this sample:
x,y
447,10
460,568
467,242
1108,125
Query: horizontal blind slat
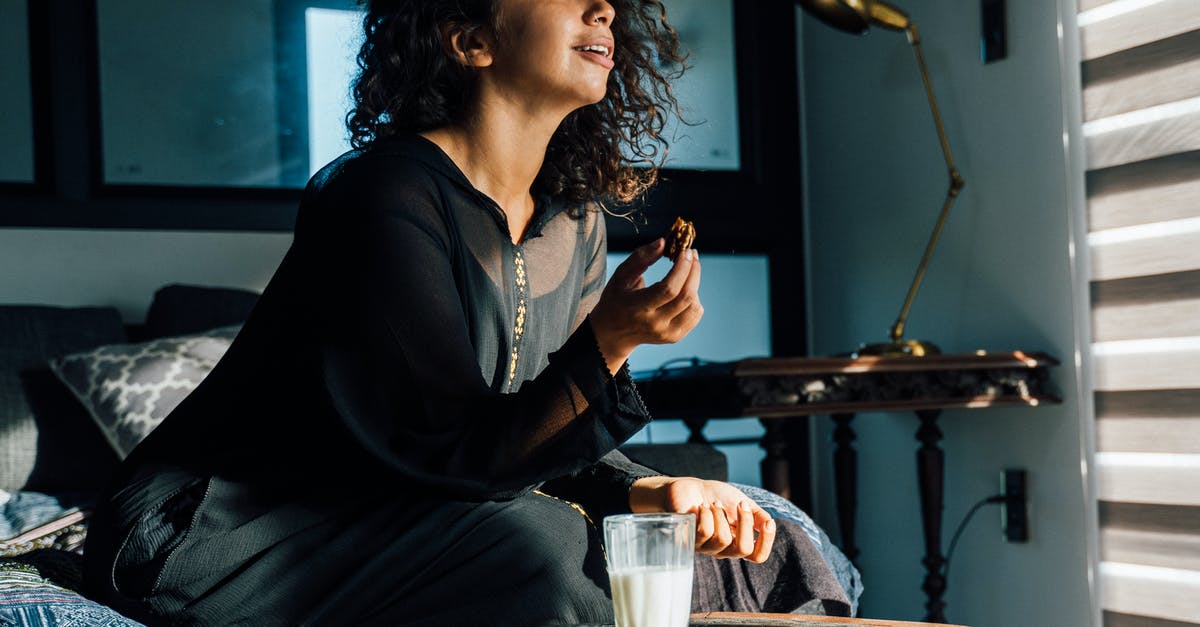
x,y
1150,548
1150,75
1144,192
1150,518
1117,619
1155,421
1149,435
1153,535
1179,252
1149,478
1150,370
1084,5
1161,305
1168,129
1151,404
1150,591
1135,28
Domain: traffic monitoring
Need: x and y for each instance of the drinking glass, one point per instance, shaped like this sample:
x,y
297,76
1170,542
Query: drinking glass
x,y
650,559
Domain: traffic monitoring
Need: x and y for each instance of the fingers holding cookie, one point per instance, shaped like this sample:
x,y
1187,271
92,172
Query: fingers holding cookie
x,y
630,313
685,292
680,289
666,294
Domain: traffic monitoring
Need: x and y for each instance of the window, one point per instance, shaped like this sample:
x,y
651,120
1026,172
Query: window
x,y
16,94
707,91
1141,103
736,325
332,39
194,94
190,94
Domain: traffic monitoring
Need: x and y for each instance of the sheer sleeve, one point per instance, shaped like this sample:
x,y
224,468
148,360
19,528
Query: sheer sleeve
x,y
596,274
397,361
602,488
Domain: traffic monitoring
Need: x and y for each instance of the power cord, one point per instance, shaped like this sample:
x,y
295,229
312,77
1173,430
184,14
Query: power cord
x,y
999,498
673,363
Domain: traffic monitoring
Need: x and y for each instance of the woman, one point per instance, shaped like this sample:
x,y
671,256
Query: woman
x,y
434,376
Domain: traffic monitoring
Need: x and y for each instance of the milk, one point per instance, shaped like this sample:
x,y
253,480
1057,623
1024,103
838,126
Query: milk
x,y
652,596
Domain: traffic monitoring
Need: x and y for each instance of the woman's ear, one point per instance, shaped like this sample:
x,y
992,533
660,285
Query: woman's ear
x,y
471,45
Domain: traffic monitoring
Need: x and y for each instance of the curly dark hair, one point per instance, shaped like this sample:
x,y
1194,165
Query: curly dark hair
x,y
609,151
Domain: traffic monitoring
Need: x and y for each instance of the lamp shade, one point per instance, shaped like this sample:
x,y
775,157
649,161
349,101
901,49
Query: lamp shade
x,y
856,16
845,15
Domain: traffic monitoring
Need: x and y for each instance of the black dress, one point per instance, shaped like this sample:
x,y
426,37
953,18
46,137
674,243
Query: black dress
x,y
399,433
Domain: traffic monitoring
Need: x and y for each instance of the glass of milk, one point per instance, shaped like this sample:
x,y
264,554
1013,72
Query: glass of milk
x,y
650,568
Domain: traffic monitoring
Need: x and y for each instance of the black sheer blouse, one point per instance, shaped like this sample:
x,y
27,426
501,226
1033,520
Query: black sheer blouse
x,y
404,335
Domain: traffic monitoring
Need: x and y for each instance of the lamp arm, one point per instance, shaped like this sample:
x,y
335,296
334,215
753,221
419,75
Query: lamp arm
x,y
956,184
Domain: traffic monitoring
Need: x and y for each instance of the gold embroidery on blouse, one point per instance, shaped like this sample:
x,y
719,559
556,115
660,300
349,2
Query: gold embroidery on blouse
x,y
519,324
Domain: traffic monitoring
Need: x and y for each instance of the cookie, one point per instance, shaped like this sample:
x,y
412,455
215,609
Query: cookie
x,y
680,238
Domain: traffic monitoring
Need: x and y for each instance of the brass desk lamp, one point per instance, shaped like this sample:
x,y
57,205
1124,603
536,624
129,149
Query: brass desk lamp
x,y
856,16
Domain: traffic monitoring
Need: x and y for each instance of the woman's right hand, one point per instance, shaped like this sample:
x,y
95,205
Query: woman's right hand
x,y
629,313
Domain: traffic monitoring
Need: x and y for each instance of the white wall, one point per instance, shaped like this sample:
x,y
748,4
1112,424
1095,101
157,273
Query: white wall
x,y
72,268
1001,279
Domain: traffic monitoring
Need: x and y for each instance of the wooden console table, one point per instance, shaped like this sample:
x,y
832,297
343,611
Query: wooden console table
x,y
738,619
776,389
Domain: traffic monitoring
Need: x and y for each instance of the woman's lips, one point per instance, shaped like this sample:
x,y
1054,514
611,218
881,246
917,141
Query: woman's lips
x,y
596,57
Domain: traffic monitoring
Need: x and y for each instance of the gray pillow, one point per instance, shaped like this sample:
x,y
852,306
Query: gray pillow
x,y
129,388
46,443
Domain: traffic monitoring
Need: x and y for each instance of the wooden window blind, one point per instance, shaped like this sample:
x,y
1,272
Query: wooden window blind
x,y
1141,106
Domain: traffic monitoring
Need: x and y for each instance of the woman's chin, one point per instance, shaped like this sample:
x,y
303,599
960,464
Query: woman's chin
x,y
594,96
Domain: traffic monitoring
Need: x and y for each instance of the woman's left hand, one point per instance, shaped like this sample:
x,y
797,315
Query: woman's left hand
x,y
726,519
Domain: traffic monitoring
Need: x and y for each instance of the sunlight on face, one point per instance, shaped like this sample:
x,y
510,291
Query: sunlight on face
x,y
555,50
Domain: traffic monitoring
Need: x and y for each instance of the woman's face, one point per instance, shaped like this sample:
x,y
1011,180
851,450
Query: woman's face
x,y
555,50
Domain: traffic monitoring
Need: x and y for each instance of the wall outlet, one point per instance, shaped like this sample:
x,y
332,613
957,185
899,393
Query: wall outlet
x,y
1014,509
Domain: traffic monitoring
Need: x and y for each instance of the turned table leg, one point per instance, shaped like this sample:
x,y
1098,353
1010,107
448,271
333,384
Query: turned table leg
x,y
696,430
930,470
785,468
776,475
845,472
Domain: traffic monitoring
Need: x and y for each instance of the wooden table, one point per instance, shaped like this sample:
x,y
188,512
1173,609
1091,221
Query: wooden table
x,y
778,389
738,619
744,619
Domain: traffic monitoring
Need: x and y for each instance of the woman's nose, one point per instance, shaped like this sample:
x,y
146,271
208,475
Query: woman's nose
x,y
601,12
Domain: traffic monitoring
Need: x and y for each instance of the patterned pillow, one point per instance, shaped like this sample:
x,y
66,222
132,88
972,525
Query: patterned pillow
x,y
130,388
